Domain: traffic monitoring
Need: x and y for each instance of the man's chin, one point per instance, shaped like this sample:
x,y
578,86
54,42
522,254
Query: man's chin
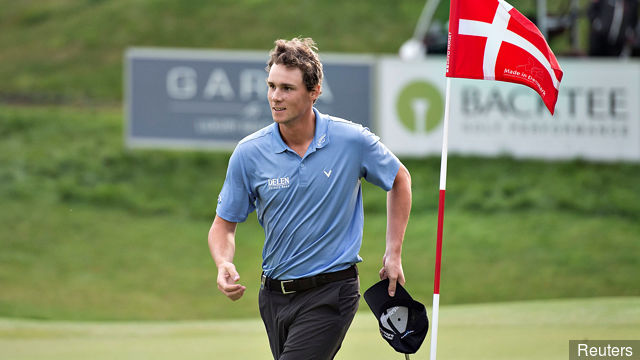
x,y
279,118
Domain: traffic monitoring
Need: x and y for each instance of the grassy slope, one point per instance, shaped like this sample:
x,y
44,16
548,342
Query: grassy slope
x,y
99,232
87,48
525,331
93,231
77,155
71,50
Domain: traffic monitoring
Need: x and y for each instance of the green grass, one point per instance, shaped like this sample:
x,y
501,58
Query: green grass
x,y
72,50
76,155
520,330
81,263
94,231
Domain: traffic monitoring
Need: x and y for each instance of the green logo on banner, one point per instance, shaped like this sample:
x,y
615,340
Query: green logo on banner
x,y
420,107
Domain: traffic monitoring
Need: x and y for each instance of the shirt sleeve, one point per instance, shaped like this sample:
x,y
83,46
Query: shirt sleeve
x,y
236,200
379,164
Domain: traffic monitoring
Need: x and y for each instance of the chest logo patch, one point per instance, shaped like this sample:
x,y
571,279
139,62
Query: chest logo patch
x,y
328,173
279,183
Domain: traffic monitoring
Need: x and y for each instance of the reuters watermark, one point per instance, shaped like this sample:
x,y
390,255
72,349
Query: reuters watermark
x,y
604,349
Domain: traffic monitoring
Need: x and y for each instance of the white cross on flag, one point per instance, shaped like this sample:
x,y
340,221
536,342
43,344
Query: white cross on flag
x,y
489,39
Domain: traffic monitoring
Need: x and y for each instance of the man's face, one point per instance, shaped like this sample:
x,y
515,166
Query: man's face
x,y
288,96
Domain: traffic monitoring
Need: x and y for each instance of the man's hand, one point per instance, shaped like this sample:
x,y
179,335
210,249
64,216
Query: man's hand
x,y
392,269
227,277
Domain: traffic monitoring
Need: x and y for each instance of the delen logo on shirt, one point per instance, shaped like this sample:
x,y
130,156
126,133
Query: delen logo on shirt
x,y
279,183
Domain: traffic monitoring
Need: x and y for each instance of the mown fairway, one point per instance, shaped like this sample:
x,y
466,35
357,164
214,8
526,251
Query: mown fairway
x,y
519,330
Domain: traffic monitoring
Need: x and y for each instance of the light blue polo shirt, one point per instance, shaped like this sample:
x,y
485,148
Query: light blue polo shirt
x,y
310,207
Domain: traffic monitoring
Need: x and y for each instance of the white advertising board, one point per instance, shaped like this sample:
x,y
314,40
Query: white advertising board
x,y
597,115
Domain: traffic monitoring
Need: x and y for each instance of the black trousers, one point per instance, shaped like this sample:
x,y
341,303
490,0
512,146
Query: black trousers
x,y
310,324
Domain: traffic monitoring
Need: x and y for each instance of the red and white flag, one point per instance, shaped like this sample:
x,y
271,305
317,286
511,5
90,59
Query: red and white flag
x,y
491,40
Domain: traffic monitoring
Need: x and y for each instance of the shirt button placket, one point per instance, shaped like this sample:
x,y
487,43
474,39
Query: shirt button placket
x,y
303,173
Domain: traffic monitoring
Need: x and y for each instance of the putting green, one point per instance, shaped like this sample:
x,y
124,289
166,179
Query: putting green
x,y
516,330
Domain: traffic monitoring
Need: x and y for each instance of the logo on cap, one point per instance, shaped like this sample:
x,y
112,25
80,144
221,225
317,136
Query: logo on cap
x,y
398,316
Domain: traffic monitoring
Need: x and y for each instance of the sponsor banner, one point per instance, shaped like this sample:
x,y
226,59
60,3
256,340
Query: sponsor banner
x,y
597,114
191,98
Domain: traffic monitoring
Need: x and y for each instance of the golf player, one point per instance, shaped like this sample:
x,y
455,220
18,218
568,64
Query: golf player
x,y
302,174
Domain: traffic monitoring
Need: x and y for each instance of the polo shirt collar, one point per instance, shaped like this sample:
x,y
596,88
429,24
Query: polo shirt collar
x,y
320,137
277,143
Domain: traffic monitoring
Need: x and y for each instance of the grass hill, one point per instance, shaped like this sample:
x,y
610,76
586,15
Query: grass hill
x,y
94,231
72,50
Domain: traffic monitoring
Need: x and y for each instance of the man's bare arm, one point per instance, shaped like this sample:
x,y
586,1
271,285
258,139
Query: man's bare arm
x,y
398,209
223,247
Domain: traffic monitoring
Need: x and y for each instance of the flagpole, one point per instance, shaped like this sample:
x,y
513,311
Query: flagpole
x,y
443,185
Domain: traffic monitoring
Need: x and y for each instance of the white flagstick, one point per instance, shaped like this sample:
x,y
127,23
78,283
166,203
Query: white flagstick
x,y
443,185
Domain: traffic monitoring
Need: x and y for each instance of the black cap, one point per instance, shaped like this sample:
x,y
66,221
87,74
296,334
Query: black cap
x,y
403,321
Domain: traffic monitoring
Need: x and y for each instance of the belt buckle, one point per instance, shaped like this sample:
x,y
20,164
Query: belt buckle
x,y
282,282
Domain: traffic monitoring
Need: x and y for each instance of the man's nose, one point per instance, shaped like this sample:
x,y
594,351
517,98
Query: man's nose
x,y
275,95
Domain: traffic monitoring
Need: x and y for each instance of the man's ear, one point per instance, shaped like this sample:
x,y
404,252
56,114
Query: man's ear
x,y
316,92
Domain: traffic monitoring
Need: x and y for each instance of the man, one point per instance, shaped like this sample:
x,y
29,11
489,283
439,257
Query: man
x,y
302,175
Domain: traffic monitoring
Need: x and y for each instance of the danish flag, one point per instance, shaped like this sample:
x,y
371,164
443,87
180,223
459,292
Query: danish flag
x,y
491,40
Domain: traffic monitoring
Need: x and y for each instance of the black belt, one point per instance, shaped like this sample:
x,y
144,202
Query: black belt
x,y
302,284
